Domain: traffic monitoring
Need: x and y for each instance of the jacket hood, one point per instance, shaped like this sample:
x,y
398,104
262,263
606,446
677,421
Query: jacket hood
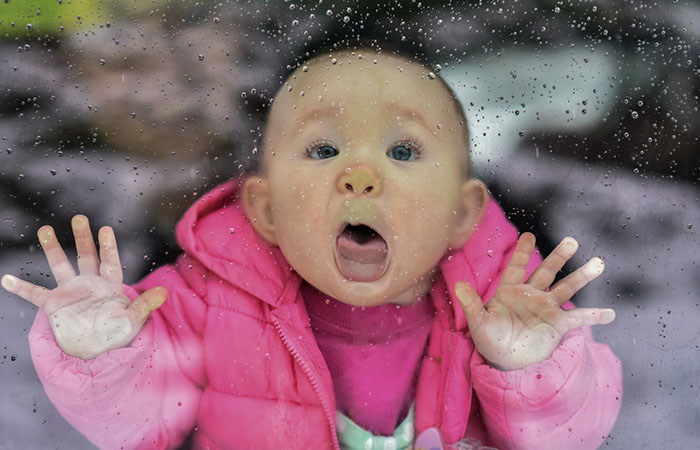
x,y
216,232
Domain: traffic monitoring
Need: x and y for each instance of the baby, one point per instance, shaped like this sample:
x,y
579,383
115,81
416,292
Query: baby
x,y
361,289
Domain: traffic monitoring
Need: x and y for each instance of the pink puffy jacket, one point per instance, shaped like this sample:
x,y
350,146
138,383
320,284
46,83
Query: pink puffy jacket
x,y
230,357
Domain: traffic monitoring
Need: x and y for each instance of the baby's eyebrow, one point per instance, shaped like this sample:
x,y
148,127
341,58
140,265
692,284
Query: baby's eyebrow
x,y
406,111
332,110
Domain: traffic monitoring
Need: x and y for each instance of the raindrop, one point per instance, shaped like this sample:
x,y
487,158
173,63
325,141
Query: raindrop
x,y
292,7
295,22
431,75
489,253
635,115
29,26
102,62
346,19
329,13
200,57
13,358
215,20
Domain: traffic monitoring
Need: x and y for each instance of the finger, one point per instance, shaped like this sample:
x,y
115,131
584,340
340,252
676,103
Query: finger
x,y
578,317
545,273
28,291
514,273
110,266
146,303
572,283
471,304
61,268
88,264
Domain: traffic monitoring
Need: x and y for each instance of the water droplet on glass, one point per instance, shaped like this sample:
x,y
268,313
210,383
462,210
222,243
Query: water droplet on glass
x,y
329,13
102,62
215,20
489,253
292,7
635,115
295,22
431,75
346,19
200,57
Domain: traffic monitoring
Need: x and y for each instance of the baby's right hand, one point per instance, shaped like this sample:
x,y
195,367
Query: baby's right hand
x,y
89,313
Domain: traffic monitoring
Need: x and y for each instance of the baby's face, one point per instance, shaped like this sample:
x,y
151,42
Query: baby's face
x,y
364,178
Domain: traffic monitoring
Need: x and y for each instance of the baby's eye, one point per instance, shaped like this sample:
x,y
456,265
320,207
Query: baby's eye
x,y
323,152
402,153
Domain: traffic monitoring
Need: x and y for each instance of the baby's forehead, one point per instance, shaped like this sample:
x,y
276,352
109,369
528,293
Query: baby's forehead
x,y
338,81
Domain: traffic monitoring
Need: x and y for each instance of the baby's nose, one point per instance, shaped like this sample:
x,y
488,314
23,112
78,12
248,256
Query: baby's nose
x,y
360,180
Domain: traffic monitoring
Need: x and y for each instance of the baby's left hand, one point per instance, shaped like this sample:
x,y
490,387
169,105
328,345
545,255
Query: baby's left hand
x,y
524,322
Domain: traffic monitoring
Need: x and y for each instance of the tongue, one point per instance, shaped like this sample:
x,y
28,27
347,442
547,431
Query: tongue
x,y
372,251
361,261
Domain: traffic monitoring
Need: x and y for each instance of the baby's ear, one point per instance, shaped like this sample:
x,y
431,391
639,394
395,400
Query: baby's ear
x,y
256,204
474,198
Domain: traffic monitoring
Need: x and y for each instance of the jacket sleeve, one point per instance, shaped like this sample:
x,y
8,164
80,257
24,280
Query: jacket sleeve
x,y
570,400
145,395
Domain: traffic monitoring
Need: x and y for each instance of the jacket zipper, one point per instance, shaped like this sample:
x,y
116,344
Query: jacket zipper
x,y
309,373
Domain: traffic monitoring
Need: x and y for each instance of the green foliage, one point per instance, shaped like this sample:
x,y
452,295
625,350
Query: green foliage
x,y
33,18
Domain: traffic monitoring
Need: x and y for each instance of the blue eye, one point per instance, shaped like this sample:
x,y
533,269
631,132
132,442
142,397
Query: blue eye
x,y
323,152
402,153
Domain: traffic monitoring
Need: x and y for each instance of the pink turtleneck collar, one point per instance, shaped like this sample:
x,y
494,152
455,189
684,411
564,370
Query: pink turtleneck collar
x,y
373,355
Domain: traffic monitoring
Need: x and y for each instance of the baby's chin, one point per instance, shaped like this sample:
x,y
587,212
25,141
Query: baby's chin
x,y
368,294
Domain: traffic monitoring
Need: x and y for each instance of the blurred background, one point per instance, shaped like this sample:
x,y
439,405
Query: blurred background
x,y
584,119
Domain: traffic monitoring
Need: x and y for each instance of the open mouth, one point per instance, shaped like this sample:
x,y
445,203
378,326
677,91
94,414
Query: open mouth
x,y
361,253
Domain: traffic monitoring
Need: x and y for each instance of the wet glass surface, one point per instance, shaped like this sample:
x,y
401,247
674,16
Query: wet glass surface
x,y
583,116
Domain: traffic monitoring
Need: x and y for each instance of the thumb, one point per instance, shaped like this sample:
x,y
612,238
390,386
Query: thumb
x,y
471,303
146,303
